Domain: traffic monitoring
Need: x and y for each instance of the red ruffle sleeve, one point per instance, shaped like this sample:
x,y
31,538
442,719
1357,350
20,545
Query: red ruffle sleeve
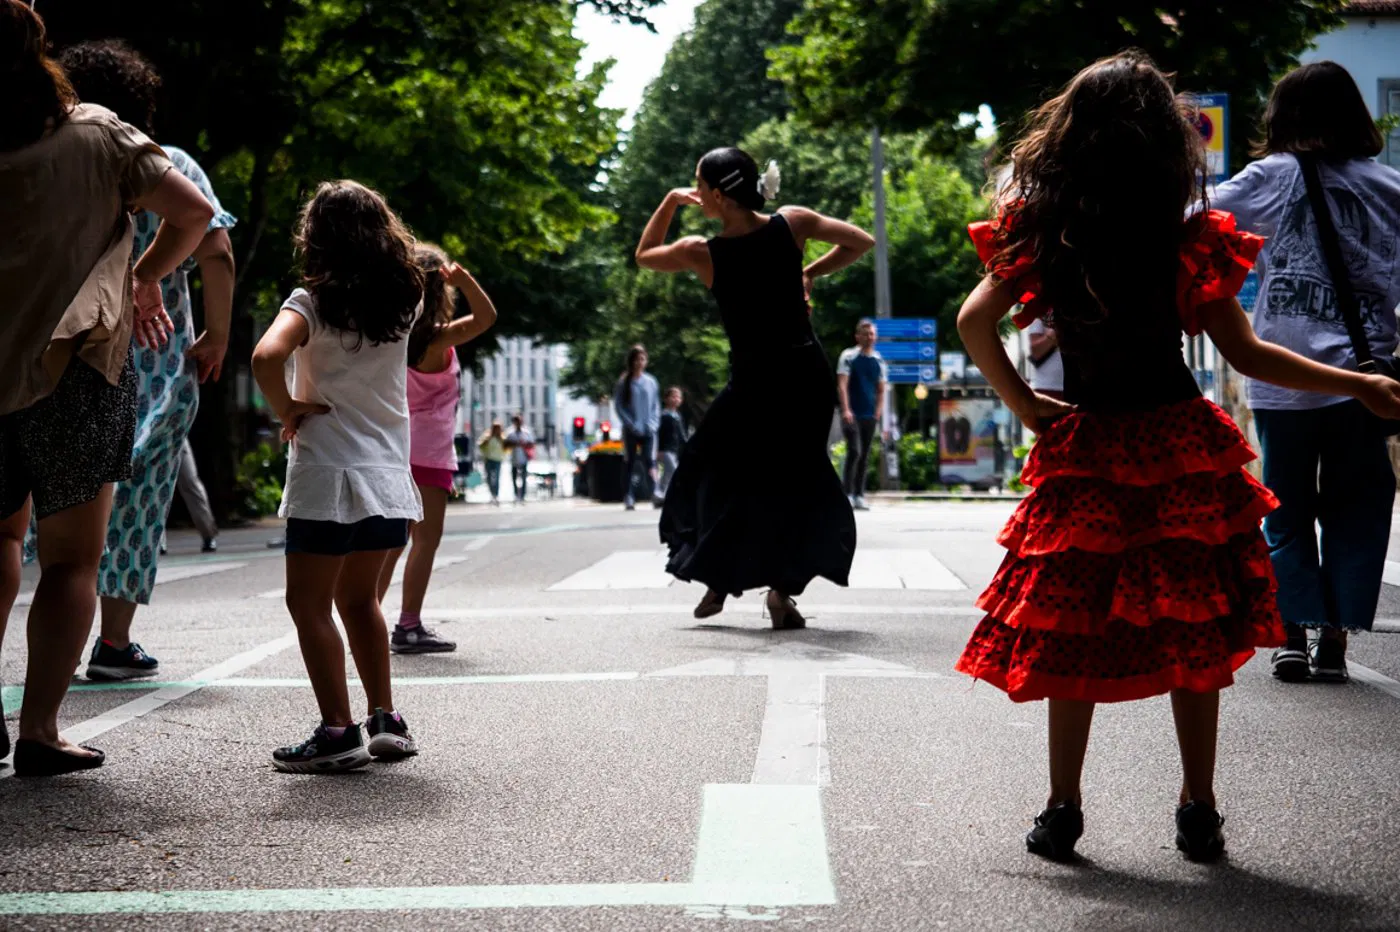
x,y
1214,262
1020,269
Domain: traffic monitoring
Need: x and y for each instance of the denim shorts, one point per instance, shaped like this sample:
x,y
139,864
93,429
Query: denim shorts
x,y
333,539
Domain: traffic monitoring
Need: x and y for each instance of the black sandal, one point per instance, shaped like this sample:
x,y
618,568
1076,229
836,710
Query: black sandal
x,y
33,759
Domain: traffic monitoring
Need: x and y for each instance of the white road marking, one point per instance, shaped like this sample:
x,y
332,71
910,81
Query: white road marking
x,y
1391,575
621,569
770,835
164,575
1374,678
736,613
792,745
903,568
130,711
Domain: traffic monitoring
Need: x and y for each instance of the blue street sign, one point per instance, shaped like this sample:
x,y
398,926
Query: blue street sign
x,y
913,375
908,352
908,328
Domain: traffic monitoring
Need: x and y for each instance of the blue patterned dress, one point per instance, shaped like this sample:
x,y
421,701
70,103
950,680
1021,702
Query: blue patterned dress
x,y
167,399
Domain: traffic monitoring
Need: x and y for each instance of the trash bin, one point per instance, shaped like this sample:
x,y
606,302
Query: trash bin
x,y
603,472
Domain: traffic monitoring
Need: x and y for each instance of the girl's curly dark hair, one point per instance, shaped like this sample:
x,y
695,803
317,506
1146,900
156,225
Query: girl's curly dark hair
x,y
114,75
357,261
36,89
439,301
1099,190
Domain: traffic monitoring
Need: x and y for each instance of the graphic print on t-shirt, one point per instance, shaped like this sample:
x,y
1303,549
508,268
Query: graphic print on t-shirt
x,y
1299,283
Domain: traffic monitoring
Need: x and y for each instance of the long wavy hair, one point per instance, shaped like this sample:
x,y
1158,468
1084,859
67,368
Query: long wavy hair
x,y
35,89
439,301
357,261
1099,188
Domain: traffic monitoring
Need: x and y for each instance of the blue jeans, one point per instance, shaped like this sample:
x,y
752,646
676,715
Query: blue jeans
x,y
1330,468
493,478
637,448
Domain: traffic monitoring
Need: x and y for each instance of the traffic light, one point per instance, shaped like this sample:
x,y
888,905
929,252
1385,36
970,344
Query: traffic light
x,y
579,435
606,427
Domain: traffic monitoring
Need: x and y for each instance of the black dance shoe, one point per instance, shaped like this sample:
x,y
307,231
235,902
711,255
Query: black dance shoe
x,y
1198,831
33,759
1056,831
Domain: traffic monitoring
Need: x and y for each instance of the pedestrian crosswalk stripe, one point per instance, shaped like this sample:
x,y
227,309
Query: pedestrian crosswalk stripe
x,y
166,575
621,569
871,569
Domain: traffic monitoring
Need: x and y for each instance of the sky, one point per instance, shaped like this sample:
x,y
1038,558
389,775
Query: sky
x,y
639,53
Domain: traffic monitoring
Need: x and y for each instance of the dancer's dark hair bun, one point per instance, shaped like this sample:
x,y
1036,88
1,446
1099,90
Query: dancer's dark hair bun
x,y
734,173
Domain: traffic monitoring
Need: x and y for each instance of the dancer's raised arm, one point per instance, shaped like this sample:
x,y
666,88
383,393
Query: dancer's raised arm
x,y
849,242
687,254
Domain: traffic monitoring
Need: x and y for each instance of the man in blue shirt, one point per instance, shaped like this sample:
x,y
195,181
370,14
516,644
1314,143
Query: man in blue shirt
x,y
861,378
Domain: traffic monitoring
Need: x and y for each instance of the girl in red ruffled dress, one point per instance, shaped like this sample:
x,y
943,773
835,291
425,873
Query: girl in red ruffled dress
x,y
1137,566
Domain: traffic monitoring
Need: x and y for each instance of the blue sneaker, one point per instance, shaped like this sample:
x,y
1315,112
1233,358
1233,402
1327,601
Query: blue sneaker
x,y
109,664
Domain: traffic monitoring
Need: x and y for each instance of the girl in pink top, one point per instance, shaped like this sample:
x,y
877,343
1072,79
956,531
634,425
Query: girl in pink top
x,y
432,410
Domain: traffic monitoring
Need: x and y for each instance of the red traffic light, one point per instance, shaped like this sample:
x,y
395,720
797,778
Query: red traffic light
x,y
607,426
579,423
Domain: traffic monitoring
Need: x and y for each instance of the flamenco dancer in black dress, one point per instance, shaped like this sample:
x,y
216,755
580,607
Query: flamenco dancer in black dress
x,y
734,520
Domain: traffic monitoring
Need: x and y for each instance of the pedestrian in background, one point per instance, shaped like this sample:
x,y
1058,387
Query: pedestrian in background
x,y
670,440
1137,566
433,395
70,176
196,499
1325,455
638,406
521,444
861,381
114,75
350,493
1047,375
724,527
493,454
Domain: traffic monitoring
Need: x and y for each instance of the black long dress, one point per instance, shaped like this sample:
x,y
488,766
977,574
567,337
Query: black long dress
x,y
755,502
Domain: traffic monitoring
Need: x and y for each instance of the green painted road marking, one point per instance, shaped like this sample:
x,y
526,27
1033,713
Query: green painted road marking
x,y
758,846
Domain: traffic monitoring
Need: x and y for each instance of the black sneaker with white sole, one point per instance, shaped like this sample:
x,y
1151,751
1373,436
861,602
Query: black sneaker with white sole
x,y
1329,661
324,753
110,664
420,639
1290,662
389,737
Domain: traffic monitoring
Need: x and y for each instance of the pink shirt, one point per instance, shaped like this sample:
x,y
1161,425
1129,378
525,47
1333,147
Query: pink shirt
x,y
432,412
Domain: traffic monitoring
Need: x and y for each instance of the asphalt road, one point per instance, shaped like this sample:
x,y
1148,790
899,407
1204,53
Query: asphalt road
x,y
594,759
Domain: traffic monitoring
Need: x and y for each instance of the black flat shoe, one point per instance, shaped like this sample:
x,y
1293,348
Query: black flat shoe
x,y
1056,831
33,759
1198,832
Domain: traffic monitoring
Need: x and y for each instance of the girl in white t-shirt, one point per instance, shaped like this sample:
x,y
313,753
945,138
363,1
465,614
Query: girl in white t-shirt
x,y
350,494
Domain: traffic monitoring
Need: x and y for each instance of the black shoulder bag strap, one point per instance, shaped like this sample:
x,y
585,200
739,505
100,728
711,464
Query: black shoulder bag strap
x,y
1336,265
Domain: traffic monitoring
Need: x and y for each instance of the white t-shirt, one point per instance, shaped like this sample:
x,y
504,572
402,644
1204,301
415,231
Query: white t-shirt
x,y
519,439
1049,376
352,462
1297,305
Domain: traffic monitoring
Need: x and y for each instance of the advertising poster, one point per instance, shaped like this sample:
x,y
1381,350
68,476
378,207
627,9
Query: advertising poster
x,y
967,441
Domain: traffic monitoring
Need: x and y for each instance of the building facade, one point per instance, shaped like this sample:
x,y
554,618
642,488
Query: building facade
x,y
523,378
1368,46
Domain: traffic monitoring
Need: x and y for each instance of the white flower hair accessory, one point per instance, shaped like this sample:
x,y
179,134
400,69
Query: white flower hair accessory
x,y
769,181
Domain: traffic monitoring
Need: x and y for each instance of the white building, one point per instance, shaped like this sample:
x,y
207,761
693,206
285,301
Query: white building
x,y
1368,46
523,378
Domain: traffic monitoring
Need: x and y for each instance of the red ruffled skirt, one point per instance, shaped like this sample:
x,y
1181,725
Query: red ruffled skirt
x,y
1135,567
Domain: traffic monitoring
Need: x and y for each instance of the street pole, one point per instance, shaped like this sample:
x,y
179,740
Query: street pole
x,y
889,474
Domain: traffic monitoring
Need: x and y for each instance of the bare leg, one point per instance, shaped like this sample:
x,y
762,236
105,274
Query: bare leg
x,y
311,580
12,530
117,615
1069,740
70,549
427,534
1197,718
386,575
358,601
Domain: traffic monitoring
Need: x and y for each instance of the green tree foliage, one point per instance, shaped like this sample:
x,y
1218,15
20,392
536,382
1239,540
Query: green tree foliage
x,y
467,114
921,63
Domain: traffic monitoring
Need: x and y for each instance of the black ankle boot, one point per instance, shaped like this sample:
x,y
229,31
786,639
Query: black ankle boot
x,y
1056,831
1198,831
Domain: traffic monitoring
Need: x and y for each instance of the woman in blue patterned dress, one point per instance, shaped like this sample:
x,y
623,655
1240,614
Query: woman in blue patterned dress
x,y
112,74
